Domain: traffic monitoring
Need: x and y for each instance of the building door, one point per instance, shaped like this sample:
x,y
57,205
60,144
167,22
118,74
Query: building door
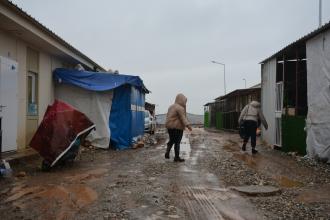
x,y
8,104
278,114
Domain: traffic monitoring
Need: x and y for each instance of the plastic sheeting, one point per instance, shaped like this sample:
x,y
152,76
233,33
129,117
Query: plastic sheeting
x,y
97,107
127,116
137,108
61,126
121,118
95,81
318,87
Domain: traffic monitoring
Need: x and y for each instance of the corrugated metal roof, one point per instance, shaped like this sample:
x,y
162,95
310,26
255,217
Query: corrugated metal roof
x,y
255,87
303,39
31,19
207,104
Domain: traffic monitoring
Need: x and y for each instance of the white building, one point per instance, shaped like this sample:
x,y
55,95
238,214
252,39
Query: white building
x,y
29,52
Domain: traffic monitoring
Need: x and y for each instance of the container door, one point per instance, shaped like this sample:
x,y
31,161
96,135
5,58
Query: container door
x,y
278,114
8,104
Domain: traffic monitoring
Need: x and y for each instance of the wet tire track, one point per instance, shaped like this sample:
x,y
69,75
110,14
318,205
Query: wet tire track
x,y
203,201
203,194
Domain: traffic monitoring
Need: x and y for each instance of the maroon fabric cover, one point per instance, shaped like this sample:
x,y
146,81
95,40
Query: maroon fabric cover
x,y
61,125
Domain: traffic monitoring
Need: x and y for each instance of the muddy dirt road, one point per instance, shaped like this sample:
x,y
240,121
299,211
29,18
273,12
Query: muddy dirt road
x,y
141,184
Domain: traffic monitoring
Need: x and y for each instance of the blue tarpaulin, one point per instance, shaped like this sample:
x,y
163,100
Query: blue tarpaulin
x,y
137,101
120,118
96,81
127,116
126,120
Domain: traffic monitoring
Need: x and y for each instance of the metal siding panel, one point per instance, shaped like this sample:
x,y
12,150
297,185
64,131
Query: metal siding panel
x,y
268,78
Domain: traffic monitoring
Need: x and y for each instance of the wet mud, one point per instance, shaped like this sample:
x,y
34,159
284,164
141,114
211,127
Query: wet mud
x,y
285,172
57,200
141,184
303,183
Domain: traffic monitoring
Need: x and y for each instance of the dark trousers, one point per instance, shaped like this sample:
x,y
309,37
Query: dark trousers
x,y
250,131
175,136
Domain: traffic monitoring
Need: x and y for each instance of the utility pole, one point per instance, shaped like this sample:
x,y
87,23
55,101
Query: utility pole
x,y
320,13
245,82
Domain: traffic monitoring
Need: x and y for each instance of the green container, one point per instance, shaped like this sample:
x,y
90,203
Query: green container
x,y
206,120
219,120
293,134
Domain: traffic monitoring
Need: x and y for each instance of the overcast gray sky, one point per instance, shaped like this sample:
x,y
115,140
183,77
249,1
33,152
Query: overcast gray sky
x,y
170,43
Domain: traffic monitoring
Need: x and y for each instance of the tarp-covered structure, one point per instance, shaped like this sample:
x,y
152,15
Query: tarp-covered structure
x,y
114,102
296,95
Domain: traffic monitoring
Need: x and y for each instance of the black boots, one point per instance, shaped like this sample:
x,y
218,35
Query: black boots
x,y
178,159
177,152
244,147
254,151
168,149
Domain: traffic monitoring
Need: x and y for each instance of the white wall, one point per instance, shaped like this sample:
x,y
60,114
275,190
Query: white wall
x,y
16,49
268,98
46,86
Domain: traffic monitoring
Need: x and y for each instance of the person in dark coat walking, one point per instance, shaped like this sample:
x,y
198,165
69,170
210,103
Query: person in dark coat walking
x,y
250,116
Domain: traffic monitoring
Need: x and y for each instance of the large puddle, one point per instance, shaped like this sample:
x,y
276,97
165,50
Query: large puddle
x,y
286,182
278,169
316,195
189,153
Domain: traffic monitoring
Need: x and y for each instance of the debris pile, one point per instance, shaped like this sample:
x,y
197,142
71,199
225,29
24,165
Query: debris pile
x,y
146,141
150,139
139,144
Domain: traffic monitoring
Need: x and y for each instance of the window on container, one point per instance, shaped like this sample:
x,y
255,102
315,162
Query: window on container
x,y
32,89
279,70
289,85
